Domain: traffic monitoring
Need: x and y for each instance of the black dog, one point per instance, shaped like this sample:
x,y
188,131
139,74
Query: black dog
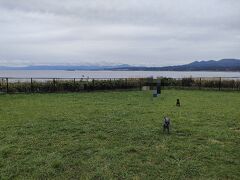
x,y
166,124
178,103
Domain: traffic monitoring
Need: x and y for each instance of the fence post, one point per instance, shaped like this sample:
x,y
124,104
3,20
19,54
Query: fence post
x,y
220,84
162,83
126,83
93,84
7,84
74,84
167,85
140,84
54,83
200,83
31,85
1,84
110,84
182,86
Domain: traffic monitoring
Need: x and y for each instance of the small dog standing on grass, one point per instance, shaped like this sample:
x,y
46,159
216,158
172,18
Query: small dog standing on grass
x,y
166,124
178,103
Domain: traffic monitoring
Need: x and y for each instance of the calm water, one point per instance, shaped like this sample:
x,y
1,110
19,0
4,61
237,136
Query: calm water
x,y
111,74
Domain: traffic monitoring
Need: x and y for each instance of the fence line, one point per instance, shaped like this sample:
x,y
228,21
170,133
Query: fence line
x,y
32,85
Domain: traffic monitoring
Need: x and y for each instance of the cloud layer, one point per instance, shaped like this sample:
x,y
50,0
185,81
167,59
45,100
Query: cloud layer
x,y
153,32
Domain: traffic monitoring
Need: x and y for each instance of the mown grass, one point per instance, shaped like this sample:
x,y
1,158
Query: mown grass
x,y
103,135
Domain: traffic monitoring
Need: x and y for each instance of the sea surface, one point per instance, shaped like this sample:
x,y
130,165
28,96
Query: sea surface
x,y
112,74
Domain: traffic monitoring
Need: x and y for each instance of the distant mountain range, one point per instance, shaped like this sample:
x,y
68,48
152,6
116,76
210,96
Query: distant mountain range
x,y
65,67
211,65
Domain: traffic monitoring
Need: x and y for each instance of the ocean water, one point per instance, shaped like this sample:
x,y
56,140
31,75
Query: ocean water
x,y
111,74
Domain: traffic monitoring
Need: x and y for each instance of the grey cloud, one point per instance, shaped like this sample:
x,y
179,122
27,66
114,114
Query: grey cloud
x,y
160,32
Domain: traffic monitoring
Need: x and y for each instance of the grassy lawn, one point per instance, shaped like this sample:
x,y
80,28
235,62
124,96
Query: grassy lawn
x,y
103,135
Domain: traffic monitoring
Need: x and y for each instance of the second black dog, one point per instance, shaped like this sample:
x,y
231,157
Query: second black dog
x,y
178,103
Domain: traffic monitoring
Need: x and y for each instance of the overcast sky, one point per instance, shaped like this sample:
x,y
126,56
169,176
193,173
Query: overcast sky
x,y
139,32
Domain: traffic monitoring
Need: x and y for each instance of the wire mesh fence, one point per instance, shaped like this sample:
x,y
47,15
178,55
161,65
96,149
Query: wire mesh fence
x,y
42,85
213,83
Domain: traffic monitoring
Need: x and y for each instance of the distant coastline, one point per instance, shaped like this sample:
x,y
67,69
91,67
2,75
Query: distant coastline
x,y
224,65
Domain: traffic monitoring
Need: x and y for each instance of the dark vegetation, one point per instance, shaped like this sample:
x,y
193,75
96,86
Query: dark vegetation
x,y
73,85
202,83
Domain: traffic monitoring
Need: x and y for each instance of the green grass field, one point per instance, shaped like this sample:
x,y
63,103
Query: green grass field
x,y
103,135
